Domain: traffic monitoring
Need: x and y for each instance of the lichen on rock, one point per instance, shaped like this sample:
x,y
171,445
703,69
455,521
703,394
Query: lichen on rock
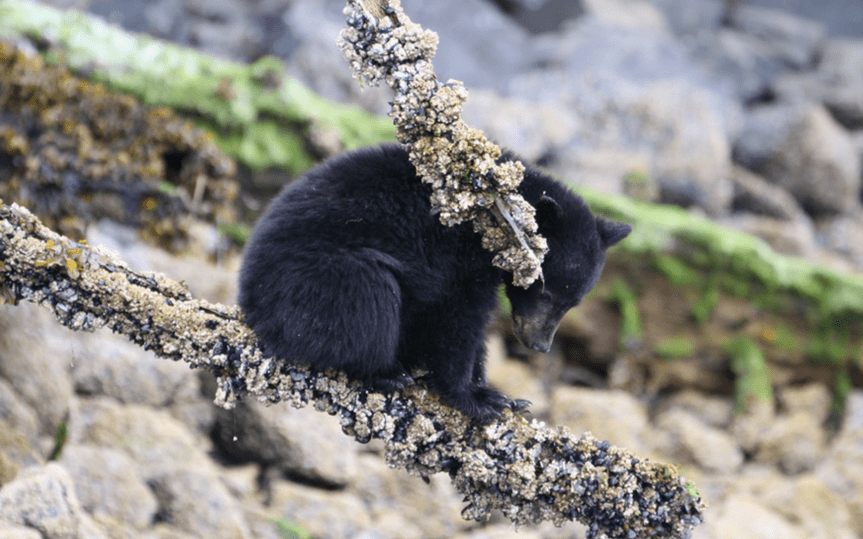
x,y
469,181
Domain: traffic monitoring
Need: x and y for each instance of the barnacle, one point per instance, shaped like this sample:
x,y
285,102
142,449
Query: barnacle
x,y
74,152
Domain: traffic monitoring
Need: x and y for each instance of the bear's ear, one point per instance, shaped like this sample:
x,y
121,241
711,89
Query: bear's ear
x,y
611,232
548,213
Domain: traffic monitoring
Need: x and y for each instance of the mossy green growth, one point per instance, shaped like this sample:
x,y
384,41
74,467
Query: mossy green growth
x,y
745,259
238,232
753,375
842,387
691,490
631,326
675,270
256,113
707,301
59,440
785,339
828,347
288,529
675,348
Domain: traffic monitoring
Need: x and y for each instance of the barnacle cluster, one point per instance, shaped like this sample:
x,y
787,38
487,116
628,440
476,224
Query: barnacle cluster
x,y
73,151
469,181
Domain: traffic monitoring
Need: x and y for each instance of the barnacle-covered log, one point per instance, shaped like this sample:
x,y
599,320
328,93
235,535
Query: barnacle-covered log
x,y
468,183
73,152
526,470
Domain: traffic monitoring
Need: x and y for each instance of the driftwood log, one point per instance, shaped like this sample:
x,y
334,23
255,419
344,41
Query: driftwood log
x,y
526,470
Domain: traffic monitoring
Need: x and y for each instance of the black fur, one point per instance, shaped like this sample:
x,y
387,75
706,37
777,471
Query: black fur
x,y
348,269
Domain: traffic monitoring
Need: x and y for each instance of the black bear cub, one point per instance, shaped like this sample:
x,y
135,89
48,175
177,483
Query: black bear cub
x,y
347,268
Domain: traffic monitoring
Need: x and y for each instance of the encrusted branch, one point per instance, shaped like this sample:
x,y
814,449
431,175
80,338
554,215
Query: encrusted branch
x,y
382,44
528,471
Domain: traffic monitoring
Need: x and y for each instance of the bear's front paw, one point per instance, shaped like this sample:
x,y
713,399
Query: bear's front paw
x,y
484,404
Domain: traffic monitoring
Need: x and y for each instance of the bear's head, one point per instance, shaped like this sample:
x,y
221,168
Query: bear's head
x,y
577,241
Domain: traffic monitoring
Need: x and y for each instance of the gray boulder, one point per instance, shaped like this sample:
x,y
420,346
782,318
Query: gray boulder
x,y
196,501
43,498
841,76
303,443
842,470
109,486
801,148
690,440
794,41
615,415
36,355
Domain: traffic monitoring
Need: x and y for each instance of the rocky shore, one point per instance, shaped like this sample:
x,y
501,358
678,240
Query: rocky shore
x,y
738,111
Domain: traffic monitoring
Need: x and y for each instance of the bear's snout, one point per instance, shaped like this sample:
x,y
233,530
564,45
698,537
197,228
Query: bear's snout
x,y
536,329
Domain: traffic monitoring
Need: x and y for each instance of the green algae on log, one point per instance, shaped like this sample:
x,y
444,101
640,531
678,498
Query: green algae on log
x,y
74,152
257,113
528,471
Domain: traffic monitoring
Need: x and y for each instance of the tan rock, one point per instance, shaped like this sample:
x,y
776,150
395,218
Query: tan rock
x,y
43,498
693,441
615,416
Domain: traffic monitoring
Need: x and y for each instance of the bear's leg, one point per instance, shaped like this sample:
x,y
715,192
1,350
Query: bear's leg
x,y
449,339
342,310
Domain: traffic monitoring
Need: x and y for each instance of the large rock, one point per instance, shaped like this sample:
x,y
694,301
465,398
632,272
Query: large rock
x,y
322,513
790,237
797,442
17,414
794,41
479,44
711,410
770,212
110,365
802,149
16,452
686,17
635,102
12,531
844,234
615,416
753,194
303,443
36,355
196,501
635,14
815,509
751,56
405,506
842,469
742,516
690,440
532,130
109,486
44,499
841,76
155,440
